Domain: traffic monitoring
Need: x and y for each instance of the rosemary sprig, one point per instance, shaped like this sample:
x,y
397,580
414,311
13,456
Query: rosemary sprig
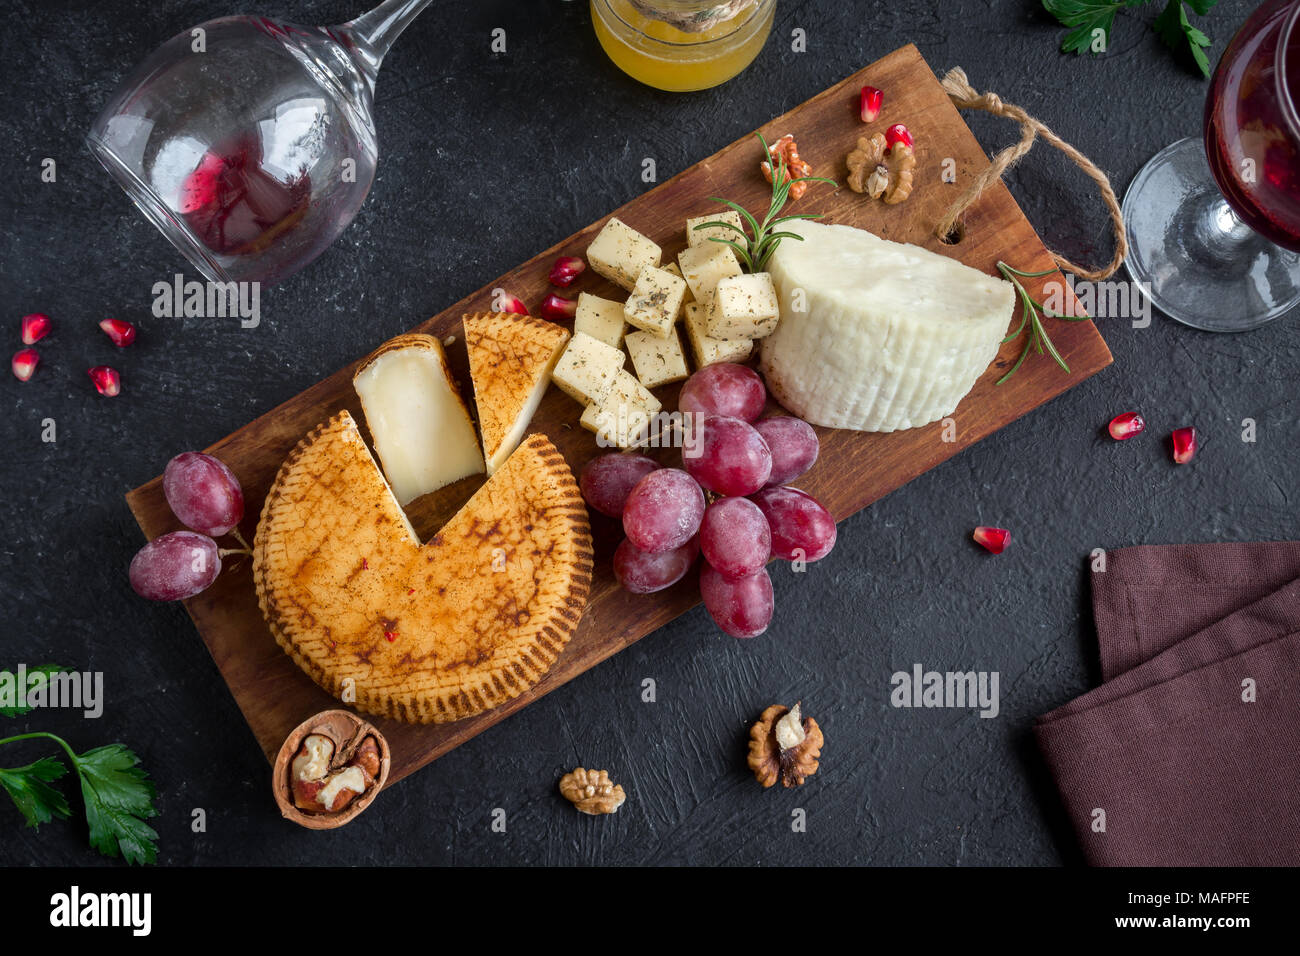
x,y
1032,314
763,237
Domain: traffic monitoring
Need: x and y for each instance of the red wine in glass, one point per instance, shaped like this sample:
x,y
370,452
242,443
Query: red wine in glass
x,y
1252,132
1213,222
235,205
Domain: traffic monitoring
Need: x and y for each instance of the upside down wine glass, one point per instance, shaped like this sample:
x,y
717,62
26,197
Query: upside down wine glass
x,y
251,143
1214,224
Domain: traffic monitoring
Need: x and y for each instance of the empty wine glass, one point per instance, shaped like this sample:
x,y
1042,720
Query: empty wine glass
x,y
1215,242
251,143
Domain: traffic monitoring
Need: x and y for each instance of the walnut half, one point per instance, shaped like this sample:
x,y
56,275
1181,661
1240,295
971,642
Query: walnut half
x,y
881,171
784,745
591,791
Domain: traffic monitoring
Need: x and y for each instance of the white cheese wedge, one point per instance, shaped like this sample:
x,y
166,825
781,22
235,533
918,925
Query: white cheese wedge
x,y
656,301
878,335
586,369
619,253
601,319
657,361
708,350
695,236
418,421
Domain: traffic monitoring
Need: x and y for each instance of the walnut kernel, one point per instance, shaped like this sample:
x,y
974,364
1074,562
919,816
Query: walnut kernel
x,y
786,148
902,162
591,791
865,160
784,745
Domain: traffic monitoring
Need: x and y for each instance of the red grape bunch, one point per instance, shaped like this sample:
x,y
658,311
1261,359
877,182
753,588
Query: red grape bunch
x,y
746,518
205,495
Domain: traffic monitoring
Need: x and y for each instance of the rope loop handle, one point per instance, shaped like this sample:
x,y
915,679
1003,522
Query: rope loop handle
x,y
965,97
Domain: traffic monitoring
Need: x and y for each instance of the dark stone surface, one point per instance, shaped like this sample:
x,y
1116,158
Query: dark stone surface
x,y
524,149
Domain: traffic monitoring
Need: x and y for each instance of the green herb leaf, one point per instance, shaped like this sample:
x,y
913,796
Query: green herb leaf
x,y
29,788
119,798
1086,17
1177,31
762,239
1032,314
46,669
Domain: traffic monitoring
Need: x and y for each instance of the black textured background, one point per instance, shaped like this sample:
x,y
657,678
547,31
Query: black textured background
x,y
527,148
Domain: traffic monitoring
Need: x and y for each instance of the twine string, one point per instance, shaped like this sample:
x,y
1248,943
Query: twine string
x,y
965,97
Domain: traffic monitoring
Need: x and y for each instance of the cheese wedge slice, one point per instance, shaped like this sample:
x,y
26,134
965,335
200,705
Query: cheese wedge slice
x,y
421,633
417,418
511,358
877,335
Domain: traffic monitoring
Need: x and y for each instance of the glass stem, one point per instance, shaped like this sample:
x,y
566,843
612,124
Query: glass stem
x,y
374,32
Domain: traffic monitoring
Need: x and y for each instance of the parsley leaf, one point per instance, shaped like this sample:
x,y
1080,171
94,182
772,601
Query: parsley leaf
x,y
1086,16
119,798
1176,30
30,789
46,669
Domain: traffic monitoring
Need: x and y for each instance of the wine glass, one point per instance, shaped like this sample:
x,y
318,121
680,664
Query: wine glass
x,y
1215,242
251,143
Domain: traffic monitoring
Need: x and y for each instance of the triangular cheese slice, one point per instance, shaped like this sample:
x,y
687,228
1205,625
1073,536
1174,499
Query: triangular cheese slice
x,y
511,358
421,633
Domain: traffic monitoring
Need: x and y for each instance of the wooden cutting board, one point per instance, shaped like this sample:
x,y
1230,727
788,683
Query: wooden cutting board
x,y
854,469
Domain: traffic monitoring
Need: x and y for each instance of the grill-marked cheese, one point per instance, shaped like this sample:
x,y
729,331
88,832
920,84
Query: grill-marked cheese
x,y
511,358
421,633
877,335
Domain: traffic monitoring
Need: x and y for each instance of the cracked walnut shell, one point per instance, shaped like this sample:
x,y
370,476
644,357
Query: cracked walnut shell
x,y
591,791
784,745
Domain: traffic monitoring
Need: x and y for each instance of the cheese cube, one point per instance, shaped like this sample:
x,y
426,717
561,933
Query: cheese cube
x,y
619,253
601,319
657,361
744,307
708,350
587,369
704,265
675,270
696,236
656,301
624,418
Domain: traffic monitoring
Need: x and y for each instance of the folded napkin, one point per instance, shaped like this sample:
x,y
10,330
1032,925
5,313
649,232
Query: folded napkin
x,y
1189,753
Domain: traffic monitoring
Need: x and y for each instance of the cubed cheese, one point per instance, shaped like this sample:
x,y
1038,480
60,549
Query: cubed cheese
x,y
601,319
657,361
744,307
587,369
676,270
704,265
656,301
624,418
696,236
619,253
708,350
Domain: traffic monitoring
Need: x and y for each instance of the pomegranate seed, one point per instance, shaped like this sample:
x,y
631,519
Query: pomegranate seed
x,y
1126,426
35,327
107,381
898,134
505,302
557,307
120,331
24,363
566,270
390,636
1184,441
869,104
994,539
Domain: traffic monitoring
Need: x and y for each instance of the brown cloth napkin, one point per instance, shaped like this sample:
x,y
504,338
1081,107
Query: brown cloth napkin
x,y
1168,763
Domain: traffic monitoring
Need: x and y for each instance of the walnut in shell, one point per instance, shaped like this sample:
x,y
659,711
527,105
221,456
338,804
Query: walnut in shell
x,y
591,791
330,769
784,745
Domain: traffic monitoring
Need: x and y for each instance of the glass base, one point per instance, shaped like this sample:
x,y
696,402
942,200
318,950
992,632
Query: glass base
x,y
1193,258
